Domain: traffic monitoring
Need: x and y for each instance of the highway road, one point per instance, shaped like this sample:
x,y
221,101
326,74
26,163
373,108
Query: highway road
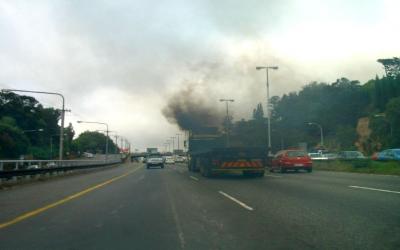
x,y
129,207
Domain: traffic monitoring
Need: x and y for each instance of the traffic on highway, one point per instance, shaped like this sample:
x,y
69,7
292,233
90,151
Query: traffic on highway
x,y
130,206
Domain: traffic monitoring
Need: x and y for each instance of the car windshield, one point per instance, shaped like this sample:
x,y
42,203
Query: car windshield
x,y
296,153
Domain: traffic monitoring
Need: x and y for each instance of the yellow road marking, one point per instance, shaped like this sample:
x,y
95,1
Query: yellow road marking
x,y
57,203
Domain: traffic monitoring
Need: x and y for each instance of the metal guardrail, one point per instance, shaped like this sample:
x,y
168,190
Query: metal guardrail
x,y
14,168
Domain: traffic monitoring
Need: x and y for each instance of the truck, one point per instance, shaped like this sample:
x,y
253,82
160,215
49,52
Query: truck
x,y
152,150
209,153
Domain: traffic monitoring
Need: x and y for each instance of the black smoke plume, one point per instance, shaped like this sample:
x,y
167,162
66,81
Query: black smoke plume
x,y
190,110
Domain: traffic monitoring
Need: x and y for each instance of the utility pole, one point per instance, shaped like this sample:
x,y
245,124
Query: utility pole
x,y
178,140
227,125
268,108
173,144
116,143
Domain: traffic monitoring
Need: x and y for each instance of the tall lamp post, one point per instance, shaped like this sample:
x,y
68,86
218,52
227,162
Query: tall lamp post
x,y
227,101
173,144
116,143
62,113
103,123
321,131
178,140
268,112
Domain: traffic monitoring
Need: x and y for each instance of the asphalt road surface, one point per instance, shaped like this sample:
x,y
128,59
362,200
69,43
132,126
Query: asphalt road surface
x,y
129,207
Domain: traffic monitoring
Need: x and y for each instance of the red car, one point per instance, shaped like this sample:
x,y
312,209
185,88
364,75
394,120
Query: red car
x,y
291,160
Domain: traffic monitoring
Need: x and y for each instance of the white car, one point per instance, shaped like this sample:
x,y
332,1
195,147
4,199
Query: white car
x,y
51,165
154,160
317,156
88,155
169,160
179,159
33,167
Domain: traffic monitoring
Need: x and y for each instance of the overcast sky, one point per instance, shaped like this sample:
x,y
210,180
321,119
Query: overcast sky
x,y
120,61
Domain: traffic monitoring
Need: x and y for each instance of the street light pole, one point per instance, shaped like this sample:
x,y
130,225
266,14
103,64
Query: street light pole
x,y
173,144
116,144
227,118
178,139
62,113
321,131
268,111
103,123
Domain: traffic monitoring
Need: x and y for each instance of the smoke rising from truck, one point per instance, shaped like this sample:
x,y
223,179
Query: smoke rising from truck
x,y
190,110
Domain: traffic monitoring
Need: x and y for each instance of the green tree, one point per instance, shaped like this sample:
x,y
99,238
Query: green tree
x,y
93,142
28,114
13,141
393,117
258,112
391,66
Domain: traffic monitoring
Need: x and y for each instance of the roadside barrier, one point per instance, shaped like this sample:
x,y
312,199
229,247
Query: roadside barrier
x,y
12,169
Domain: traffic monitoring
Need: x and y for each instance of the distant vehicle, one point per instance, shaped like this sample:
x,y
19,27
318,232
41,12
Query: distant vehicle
x,y
88,155
179,159
30,167
317,156
169,160
51,165
207,153
184,158
330,156
388,155
350,155
152,150
154,160
320,156
296,160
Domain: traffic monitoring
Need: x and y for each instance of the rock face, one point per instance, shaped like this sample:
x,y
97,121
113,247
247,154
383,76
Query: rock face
x,y
363,131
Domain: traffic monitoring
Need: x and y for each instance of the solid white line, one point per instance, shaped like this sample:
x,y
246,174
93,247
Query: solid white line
x,y
194,178
270,175
376,189
236,200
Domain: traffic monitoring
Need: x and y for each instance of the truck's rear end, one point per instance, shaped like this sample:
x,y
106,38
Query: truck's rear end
x,y
208,154
246,161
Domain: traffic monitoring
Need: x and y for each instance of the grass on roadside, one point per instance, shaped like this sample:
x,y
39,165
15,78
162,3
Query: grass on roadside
x,y
359,166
